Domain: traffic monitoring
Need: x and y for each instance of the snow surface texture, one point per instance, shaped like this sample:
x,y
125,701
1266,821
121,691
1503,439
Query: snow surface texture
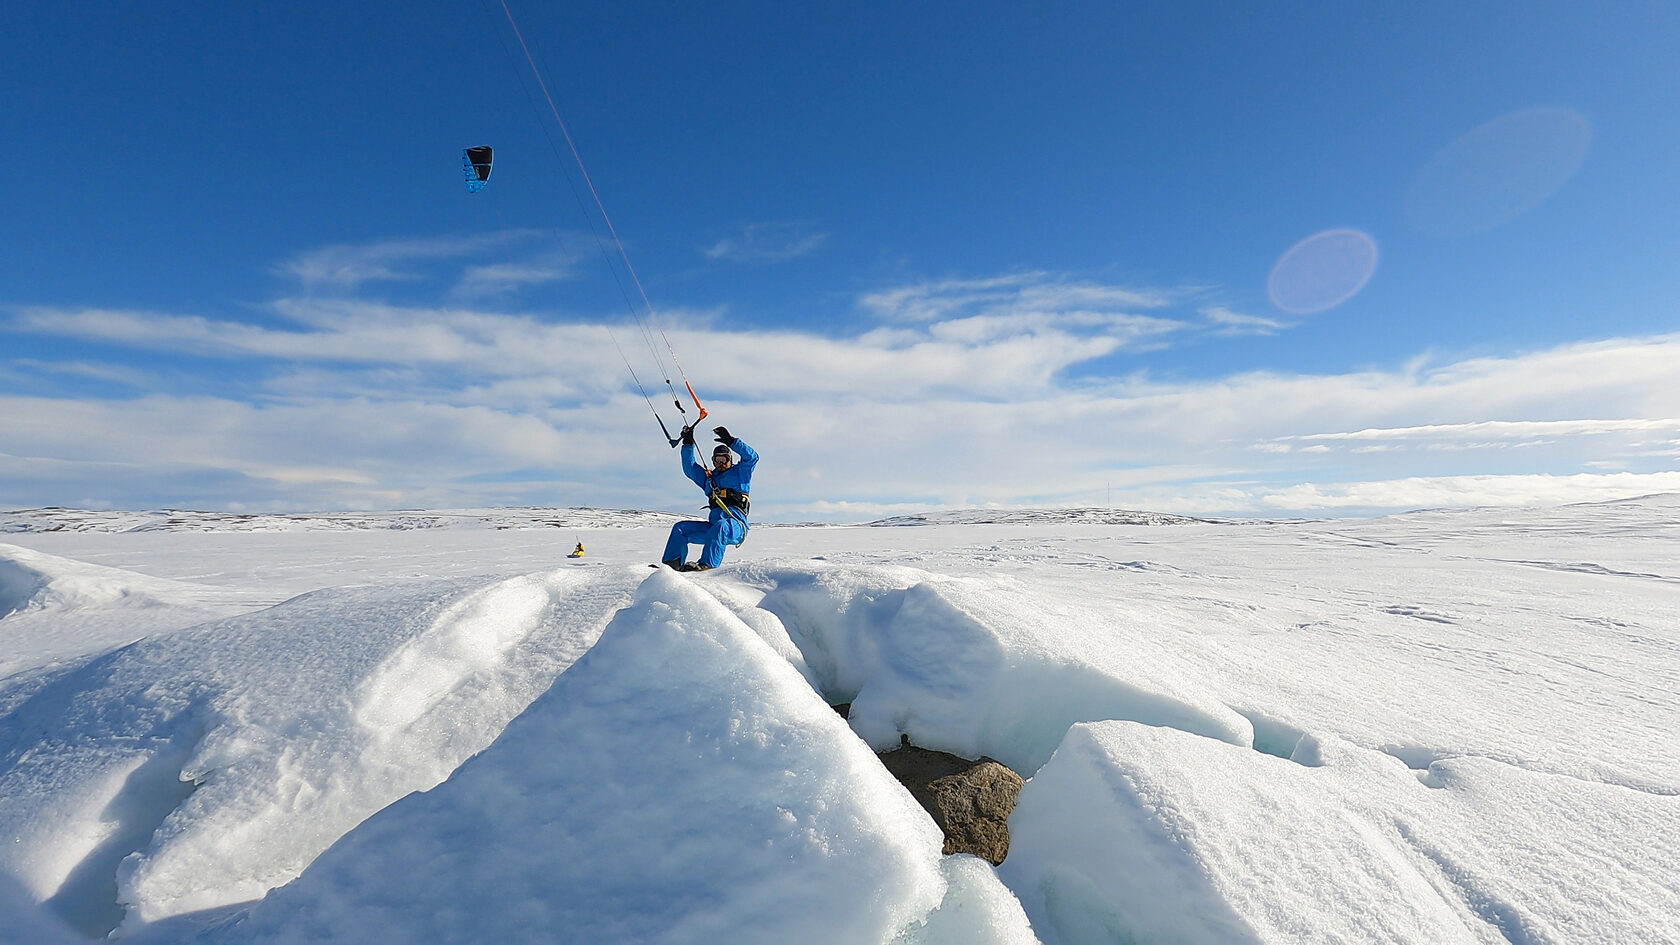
x,y
1440,727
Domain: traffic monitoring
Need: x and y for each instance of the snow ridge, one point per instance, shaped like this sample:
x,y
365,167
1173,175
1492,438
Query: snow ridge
x,y
959,665
786,822
245,747
32,581
20,587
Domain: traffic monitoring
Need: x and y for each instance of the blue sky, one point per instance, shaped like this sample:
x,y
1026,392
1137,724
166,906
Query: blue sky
x,y
1212,258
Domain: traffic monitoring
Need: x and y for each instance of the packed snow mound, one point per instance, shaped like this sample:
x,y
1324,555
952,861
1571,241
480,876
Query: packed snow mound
x,y
978,667
1147,833
38,521
55,609
977,910
786,821
20,586
1138,833
215,763
32,581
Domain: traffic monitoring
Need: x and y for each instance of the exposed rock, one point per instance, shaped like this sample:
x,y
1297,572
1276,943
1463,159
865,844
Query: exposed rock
x,y
969,800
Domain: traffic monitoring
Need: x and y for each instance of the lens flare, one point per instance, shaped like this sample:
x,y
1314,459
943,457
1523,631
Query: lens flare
x,y
1322,271
1497,172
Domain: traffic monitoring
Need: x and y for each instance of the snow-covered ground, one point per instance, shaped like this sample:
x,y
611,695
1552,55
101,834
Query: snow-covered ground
x,y
1436,727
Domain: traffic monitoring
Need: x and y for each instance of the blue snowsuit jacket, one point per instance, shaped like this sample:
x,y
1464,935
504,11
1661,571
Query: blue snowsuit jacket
x,y
737,477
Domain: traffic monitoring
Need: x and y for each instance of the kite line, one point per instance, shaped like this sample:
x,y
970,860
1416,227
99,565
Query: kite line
x,y
624,257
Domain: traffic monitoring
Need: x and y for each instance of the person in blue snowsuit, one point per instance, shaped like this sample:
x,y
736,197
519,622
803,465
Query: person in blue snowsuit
x,y
726,485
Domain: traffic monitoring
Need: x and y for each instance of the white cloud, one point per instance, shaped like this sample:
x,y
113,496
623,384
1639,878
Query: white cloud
x,y
988,355
966,395
1184,446
317,453
328,331
1470,491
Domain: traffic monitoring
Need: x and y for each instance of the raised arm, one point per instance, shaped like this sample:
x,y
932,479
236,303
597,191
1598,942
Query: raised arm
x,y
749,456
692,469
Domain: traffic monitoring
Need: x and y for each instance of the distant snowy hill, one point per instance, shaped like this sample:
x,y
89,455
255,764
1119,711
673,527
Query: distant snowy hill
x,y
170,520
1040,517
38,521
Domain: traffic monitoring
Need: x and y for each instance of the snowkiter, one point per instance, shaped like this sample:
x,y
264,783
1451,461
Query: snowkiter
x,y
577,552
726,485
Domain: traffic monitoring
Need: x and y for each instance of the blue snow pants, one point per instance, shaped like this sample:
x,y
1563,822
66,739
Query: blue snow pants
x,y
713,536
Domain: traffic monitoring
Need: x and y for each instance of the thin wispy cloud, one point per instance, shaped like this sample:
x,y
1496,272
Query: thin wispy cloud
x,y
1504,429
1042,292
88,370
1486,434
1226,322
349,266
500,280
767,243
488,344
1050,321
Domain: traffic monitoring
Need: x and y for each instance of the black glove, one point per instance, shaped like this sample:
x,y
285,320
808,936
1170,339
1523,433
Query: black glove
x,y
723,436
688,436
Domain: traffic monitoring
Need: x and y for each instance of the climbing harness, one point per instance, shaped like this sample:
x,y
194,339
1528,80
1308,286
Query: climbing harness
x,y
733,503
